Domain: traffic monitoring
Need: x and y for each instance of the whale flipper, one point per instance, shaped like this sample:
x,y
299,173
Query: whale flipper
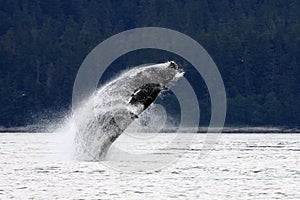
x,y
145,94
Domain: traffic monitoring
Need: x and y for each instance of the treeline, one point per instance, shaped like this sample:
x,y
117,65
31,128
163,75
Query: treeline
x,y
255,44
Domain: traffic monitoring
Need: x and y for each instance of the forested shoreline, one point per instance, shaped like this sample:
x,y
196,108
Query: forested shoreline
x,y
255,44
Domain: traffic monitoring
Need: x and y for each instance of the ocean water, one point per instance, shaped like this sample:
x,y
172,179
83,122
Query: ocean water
x,y
241,166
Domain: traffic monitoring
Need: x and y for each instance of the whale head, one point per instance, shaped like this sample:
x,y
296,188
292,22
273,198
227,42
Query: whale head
x,y
162,73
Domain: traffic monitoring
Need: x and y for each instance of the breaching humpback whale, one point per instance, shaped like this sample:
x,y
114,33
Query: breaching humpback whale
x,y
117,104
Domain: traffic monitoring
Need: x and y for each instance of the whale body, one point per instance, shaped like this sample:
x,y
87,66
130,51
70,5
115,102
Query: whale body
x,y
116,105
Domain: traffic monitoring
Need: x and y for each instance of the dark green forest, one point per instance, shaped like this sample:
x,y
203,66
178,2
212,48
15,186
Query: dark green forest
x,y
255,44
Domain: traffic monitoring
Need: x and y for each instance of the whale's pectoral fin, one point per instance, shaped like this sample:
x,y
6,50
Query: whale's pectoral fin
x,y
133,116
147,102
145,94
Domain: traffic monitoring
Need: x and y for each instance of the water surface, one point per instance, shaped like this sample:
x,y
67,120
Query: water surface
x,y
242,166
